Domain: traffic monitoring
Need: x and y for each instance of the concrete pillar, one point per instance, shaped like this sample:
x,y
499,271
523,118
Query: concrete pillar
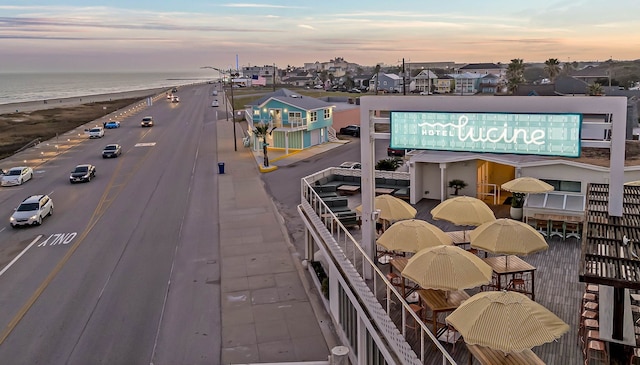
x,y
340,355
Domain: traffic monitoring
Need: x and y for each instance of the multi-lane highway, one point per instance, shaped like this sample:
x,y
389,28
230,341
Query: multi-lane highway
x,y
126,269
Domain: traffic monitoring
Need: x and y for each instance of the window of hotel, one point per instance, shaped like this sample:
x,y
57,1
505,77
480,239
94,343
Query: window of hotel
x,y
313,117
256,112
562,185
327,113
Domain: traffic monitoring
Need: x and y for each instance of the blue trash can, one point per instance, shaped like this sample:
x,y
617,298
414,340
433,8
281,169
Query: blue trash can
x,y
221,167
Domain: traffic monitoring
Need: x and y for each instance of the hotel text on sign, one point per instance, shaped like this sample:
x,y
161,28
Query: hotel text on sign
x,y
533,134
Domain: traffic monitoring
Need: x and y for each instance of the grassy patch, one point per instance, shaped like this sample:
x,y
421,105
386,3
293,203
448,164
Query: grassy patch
x,y
19,129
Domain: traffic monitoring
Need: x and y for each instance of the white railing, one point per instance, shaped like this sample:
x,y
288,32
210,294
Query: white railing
x,y
354,262
491,191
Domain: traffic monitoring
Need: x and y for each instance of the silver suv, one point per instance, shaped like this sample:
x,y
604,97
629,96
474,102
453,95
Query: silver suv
x,y
32,211
147,122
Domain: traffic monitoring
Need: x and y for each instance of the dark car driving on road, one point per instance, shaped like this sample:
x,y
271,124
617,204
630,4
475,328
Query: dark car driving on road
x,y
82,173
351,130
111,150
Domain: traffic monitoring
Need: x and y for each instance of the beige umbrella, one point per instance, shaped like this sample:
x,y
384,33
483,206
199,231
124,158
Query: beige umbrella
x,y
392,209
506,321
632,183
463,211
447,268
527,185
412,235
508,237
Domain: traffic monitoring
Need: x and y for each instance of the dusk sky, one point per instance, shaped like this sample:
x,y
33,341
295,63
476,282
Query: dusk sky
x,y
87,35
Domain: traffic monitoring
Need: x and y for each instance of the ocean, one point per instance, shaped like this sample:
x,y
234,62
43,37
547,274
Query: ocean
x,y
26,87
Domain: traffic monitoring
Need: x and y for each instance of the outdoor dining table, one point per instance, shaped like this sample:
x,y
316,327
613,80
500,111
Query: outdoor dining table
x,y
399,263
515,266
487,356
459,238
348,189
440,301
380,191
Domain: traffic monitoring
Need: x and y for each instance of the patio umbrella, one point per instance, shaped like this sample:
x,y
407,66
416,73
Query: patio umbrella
x,y
392,209
412,235
632,183
508,237
463,211
527,185
506,321
447,268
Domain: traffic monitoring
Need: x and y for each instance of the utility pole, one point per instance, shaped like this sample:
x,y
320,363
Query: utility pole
x,y
274,77
233,110
404,79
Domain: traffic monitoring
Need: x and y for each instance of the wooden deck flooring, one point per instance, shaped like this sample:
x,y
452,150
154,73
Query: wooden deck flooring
x,y
557,288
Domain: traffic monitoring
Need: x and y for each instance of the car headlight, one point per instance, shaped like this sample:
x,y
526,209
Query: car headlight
x,y
33,217
12,219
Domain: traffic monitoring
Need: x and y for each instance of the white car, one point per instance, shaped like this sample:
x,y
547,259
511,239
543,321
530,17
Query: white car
x,y
215,103
16,176
32,211
96,132
351,165
215,93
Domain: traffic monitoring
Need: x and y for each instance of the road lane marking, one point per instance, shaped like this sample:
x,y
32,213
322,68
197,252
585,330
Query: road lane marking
x,y
104,203
147,144
59,239
20,255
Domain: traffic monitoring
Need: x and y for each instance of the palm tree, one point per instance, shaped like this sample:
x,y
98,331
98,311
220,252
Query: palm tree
x,y
262,131
594,89
515,74
569,67
552,68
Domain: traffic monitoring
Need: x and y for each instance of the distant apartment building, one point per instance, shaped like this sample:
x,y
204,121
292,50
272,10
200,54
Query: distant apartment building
x,y
256,72
425,80
444,84
446,65
483,69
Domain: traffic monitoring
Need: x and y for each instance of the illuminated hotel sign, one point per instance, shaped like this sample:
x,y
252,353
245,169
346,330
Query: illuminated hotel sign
x,y
532,134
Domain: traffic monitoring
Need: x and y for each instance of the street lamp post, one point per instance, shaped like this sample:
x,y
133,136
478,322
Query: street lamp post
x,y
226,109
233,110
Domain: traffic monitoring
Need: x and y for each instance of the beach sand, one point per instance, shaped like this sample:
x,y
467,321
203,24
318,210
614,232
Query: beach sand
x,y
75,101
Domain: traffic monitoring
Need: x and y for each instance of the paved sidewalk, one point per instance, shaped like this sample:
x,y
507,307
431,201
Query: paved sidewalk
x,y
268,313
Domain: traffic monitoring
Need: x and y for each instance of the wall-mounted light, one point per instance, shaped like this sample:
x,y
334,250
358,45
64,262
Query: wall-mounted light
x,y
264,110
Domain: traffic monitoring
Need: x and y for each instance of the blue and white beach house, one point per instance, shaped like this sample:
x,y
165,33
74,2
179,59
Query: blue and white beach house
x,y
300,121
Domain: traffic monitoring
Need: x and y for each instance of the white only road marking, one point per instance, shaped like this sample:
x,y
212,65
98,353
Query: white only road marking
x,y
58,239
20,255
145,144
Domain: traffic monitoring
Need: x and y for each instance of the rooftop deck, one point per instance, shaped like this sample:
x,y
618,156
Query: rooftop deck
x,y
557,288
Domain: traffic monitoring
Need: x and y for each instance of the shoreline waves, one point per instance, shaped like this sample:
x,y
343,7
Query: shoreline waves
x,y
30,106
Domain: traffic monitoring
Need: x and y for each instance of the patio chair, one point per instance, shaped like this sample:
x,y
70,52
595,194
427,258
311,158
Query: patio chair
x,y
542,226
596,350
557,229
572,229
413,323
448,334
